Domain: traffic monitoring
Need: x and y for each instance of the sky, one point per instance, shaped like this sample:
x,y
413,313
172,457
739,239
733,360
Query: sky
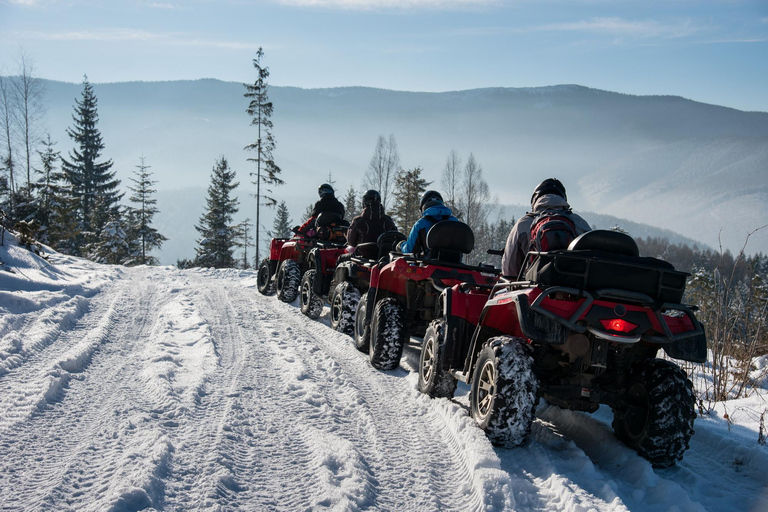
x,y
714,51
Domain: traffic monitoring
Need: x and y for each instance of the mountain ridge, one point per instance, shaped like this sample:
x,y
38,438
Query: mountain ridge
x,y
694,168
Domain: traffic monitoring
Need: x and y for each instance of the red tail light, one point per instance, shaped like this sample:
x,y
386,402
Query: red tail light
x,y
618,325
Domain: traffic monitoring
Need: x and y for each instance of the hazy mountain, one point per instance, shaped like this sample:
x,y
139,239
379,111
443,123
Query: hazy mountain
x,y
696,169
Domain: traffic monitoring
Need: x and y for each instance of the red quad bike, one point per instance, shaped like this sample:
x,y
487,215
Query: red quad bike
x,y
317,280
290,258
583,330
403,297
352,278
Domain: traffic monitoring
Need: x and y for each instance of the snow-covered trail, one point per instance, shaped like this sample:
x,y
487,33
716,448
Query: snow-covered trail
x,y
187,390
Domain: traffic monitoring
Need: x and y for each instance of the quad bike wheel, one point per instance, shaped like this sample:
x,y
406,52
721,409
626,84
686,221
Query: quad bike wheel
x,y
343,306
311,304
387,335
362,331
658,423
503,395
288,278
433,379
264,282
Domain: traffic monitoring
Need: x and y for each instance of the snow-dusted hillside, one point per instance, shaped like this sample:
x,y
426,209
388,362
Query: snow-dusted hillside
x,y
689,167
156,388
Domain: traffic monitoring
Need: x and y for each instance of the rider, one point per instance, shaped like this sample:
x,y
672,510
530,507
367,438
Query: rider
x,y
548,195
369,225
326,203
432,211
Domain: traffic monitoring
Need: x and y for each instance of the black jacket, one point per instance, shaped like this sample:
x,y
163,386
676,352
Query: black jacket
x,y
328,204
369,225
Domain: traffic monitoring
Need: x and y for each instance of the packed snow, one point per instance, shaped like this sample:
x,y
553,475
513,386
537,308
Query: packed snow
x,y
156,388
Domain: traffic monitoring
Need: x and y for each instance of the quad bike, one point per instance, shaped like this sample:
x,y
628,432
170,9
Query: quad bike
x,y
316,281
290,258
403,295
584,329
352,277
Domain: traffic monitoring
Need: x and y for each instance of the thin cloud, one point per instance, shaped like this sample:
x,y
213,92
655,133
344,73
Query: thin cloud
x,y
616,27
109,35
361,5
622,27
133,35
166,6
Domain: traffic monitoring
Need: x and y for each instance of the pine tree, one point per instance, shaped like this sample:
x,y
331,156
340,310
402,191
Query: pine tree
x,y
49,189
112,245
143,236
243,240
93,184
308,212
281,227
217,233
260,109
352,203
409,186
64,232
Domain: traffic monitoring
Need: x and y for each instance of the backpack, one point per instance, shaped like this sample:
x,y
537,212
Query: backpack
x,y
552,230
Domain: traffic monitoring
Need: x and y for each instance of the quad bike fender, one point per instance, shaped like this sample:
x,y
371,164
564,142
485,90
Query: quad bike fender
x,y
274,248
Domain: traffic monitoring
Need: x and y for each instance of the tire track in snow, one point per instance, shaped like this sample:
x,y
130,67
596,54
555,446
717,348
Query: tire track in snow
x,y
198,475
95,449
403,447
42,377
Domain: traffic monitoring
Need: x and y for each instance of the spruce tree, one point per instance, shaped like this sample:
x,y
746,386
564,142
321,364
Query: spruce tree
x,y
260,109
243,239
93,184
143,236
352,203
49,189
112,244
217,233
281,227
409,186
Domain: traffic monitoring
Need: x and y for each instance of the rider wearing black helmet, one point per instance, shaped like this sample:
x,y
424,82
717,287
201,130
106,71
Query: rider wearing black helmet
x,y
548,195
327,203
432,211
371,223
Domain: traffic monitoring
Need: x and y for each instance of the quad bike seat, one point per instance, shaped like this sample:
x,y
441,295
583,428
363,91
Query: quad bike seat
x,y
387,242
605,240
449,240
379,249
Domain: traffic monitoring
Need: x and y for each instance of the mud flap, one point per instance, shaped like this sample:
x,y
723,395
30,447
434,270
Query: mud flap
x,y
692,349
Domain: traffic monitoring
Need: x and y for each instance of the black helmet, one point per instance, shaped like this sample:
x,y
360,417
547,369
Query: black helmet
x,y
430,198
370,197
325,189
548,186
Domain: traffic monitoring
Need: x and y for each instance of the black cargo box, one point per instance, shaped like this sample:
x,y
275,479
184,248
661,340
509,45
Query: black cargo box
x,y
593,270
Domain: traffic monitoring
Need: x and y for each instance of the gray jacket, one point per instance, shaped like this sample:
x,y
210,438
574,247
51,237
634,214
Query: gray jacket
x,y
519,239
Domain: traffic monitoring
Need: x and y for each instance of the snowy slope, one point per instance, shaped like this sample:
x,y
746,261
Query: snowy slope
x,y
152,387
